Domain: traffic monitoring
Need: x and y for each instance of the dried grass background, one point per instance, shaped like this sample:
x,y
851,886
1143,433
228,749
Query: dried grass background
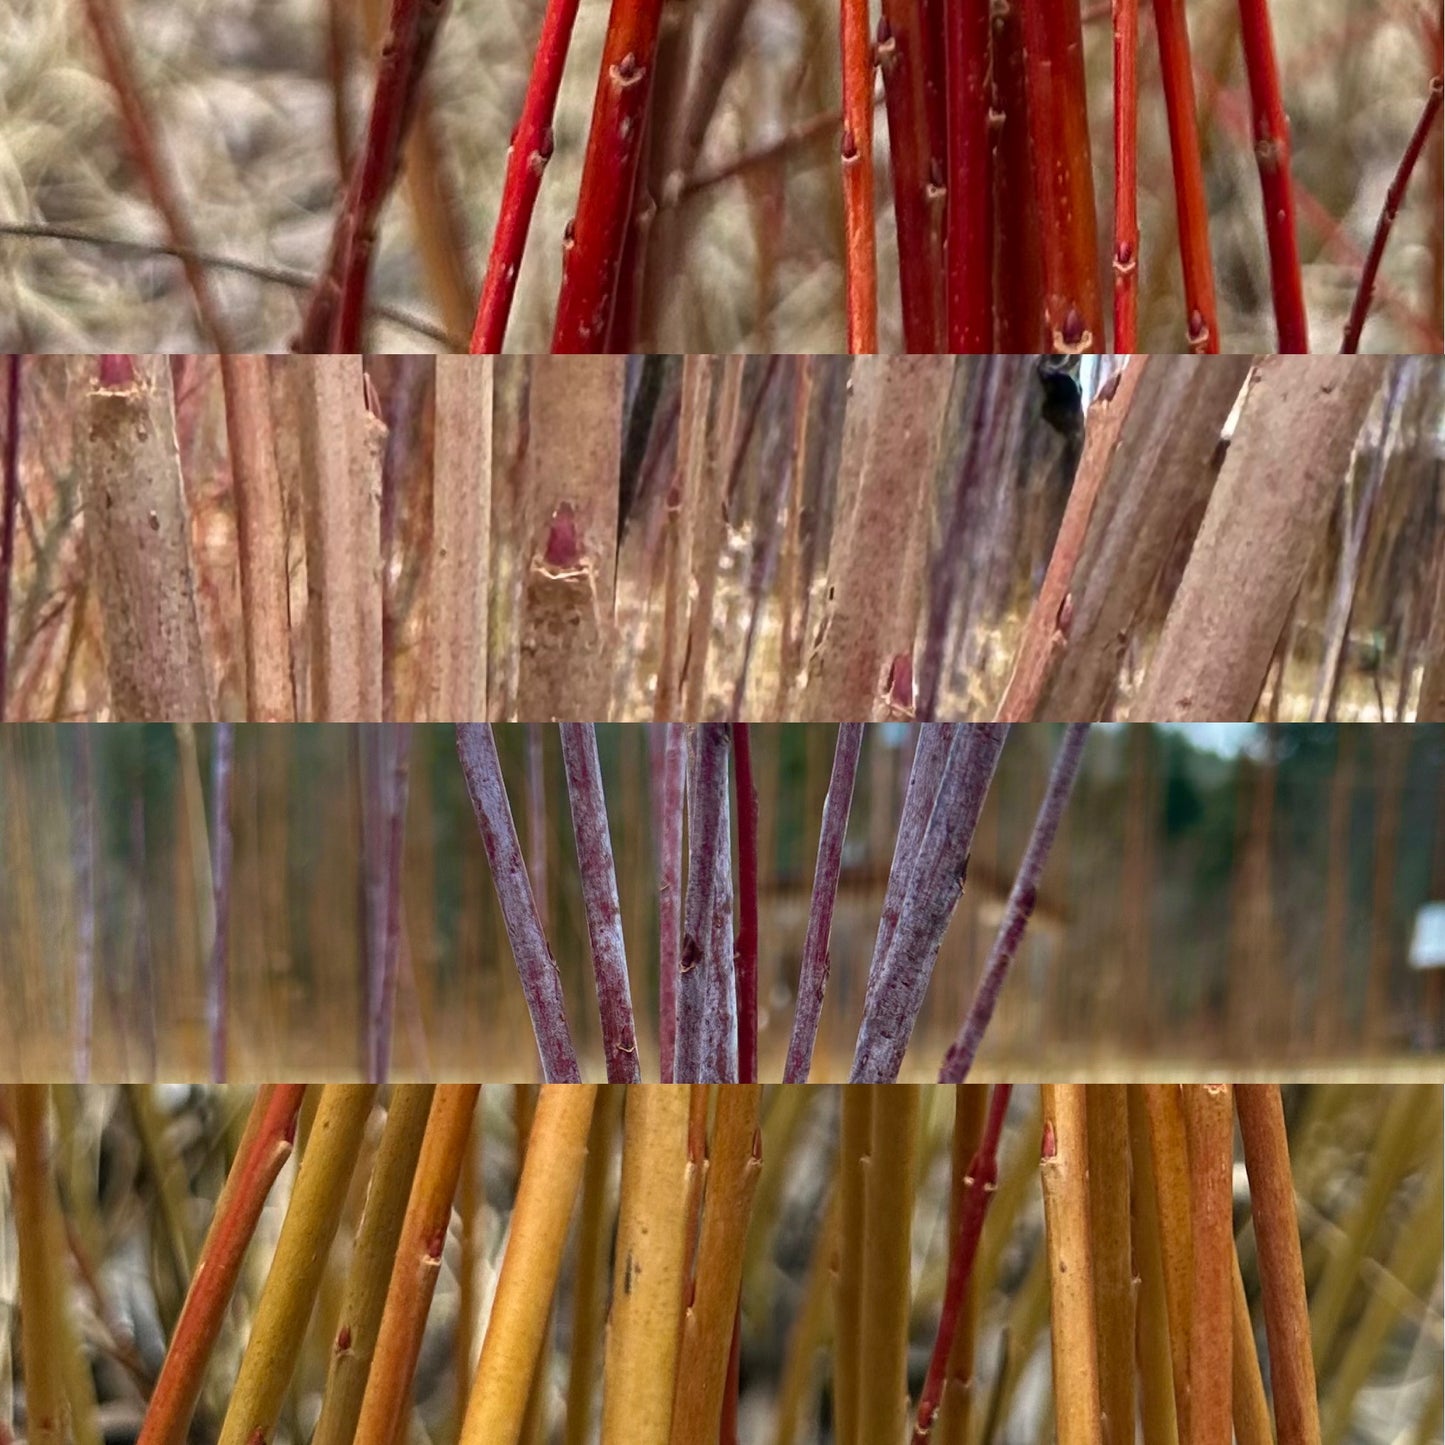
x,y
241,94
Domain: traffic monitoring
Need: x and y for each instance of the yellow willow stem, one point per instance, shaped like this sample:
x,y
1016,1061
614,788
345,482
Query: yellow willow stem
x,y
468,1202
546,1194
371,1263
733,1169
1209,1121
809,1330
589,1290
854,1147
1108,1119
312,1216
1152,1343
1063,1173
386,1403
1252,1425
640,1359
889,1183
1169,1147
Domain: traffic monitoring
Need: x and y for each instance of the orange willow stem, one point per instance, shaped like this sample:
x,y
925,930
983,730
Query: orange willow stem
x,y
1364,294
265,1147
1063,174
979,1185
917,192
1126,179
1209,1123
1272,151
592,252
1177,73
970,229
527,158
860,244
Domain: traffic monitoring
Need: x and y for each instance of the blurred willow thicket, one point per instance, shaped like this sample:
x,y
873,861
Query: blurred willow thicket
x,y
1327,1214
1218,896
259,111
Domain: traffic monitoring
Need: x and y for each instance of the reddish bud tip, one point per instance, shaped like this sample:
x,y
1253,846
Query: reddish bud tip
x,y
900,682
564,544
1198,331
117,370
343,1339
850,145
1051,1143
1073,327
436,1242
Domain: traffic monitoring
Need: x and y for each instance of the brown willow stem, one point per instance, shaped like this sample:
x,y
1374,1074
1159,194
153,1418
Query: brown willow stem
x,y
1394,197
1209,1122
599,897
1281,1266
1063,1172
386,1402
541,984
813,972
527,158
747,938
979,1185
9,506
1272,152
1019,908
548,1189
1115,1281
1126,176
1177,72
860,242
334,317
265,1148
593,249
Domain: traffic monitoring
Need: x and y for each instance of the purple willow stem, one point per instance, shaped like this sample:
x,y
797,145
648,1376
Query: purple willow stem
x,y
83,861
924,777
371,763
477,748
222,757
961,1053
398,735
813,974
9,504
599,896
746,955
669,773
537,826
934,888
707,796
720,992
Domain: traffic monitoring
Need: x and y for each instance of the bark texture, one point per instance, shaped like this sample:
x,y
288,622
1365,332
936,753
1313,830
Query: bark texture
x,y
1267,514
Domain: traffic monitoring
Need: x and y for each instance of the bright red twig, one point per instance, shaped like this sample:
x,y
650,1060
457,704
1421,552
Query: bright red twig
x,y
1126,176
1364,293
978,1190
527,158
597,237
860,242
1272,151
969,241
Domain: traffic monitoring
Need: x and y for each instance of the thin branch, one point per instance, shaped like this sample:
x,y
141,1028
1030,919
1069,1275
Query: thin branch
x,y
9,504
223,751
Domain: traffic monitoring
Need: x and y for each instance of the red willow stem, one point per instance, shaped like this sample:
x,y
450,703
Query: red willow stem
x,y
1063,175
1272,152
477,748
669,770
978,1188
813,973
527,159
599,896
338,303
1176,68
265,1148
747,941
223,753
934,888
1394,197
597,237
707,798
970,226
916,190
860,242
1020,907
929,757
1126,176
9,506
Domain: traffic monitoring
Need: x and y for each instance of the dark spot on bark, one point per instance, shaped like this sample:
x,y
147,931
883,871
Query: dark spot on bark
x,y
627,1274
691,954
436,1241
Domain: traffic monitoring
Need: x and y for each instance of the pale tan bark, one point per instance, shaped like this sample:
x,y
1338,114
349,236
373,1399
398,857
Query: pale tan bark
x,y
461,538
872,615
260,538
341,447
574,457
138,535
1265,518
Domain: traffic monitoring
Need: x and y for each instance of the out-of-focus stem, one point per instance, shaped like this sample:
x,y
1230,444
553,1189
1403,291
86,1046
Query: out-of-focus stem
x,y
224,745
9,506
